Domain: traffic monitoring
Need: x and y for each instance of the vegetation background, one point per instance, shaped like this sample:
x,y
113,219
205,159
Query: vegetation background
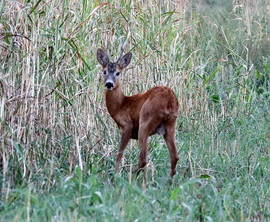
x,y
58,143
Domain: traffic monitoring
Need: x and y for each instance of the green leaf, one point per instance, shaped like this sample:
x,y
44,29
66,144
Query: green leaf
x,y
216,98
204,176
211,76
260,90
267,69
174,193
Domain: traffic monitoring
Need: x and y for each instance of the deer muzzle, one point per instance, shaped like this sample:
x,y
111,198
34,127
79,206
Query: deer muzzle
x,y
109,85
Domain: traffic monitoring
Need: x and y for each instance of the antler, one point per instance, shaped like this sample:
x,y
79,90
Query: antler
x,y
107,48
123,48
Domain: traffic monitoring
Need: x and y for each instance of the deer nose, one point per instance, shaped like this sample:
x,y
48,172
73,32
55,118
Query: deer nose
x,y
109,85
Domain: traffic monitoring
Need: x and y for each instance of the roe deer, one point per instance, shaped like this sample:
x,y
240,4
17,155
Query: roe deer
x,y
139,116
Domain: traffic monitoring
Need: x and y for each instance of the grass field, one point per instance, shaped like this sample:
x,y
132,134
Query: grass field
x,y
58,143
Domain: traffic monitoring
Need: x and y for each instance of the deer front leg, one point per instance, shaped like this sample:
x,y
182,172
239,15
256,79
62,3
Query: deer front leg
x,y
125,137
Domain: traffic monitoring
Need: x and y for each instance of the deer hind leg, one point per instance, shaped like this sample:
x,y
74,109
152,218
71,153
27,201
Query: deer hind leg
x,y
143,139
148,125
170,142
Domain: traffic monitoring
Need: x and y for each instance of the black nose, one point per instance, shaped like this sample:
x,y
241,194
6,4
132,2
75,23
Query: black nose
x,y
109,85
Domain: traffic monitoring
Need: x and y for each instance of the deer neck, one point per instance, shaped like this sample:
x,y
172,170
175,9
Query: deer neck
x,y
114,100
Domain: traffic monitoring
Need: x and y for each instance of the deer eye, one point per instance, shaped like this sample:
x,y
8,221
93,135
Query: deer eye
x,y
117,74
104,72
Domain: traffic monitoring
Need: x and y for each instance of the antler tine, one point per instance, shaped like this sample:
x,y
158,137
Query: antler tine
x,y
107,48
123,48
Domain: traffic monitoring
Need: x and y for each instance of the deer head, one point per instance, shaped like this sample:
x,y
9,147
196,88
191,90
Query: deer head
x,y
112,70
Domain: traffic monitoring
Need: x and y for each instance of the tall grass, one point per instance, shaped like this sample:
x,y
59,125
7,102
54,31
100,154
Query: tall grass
x,y
58,143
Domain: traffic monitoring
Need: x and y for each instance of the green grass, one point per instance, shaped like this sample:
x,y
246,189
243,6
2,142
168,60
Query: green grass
x,y
58,143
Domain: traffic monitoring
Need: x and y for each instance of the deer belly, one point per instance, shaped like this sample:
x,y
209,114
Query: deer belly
x,y
134,133
160,130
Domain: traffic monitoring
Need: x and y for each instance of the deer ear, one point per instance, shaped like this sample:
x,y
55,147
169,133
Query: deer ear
x,y
102,58
125,60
